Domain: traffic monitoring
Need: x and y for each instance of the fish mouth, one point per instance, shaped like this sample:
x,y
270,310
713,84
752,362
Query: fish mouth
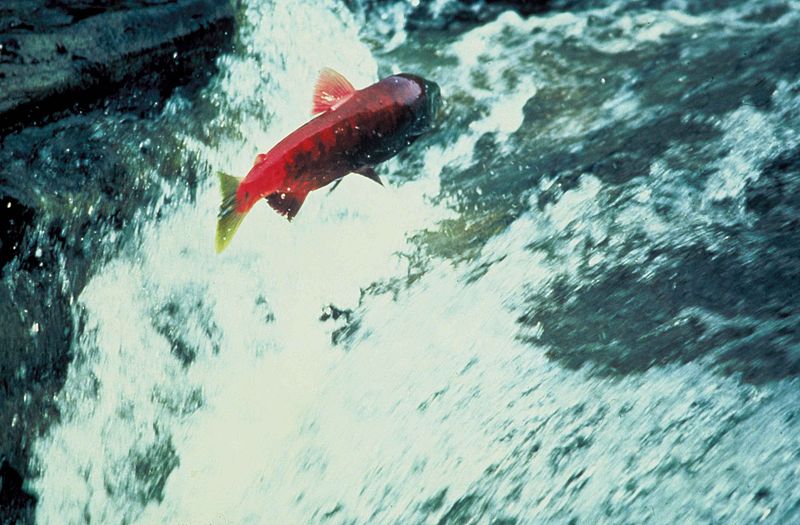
x,y
439,115
435,102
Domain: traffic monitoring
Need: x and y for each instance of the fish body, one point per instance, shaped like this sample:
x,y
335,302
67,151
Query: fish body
x,y
354,131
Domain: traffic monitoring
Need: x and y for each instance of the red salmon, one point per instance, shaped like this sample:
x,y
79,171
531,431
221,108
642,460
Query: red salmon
x,y
354,131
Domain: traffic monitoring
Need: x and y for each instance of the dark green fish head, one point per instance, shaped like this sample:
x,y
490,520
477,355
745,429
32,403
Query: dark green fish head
x,y
434,101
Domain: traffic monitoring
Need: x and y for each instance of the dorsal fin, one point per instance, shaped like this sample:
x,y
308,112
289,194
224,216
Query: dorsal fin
x,y
331,91
287,204
259,158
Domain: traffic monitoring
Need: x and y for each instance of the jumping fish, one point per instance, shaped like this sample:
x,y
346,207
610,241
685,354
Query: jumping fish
x,y
353,131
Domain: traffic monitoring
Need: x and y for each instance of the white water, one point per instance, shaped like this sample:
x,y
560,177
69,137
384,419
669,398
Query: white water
x,y
433,397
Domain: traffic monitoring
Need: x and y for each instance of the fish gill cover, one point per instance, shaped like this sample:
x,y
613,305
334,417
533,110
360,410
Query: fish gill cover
x,y
574,303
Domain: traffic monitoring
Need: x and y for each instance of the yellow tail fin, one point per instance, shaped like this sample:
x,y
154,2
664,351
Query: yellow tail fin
x,y
229,218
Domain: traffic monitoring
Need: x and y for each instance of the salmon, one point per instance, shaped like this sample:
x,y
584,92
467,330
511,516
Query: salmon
x,y
354,130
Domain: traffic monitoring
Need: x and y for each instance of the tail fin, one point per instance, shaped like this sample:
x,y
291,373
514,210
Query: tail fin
x,y
229,218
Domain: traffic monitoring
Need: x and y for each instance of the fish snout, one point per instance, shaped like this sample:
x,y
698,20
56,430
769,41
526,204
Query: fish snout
x,y
434,104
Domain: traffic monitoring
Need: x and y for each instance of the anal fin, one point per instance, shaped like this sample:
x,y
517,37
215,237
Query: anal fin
x,y
287,204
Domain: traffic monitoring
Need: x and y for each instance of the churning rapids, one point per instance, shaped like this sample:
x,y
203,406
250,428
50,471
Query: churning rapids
x,y
576,302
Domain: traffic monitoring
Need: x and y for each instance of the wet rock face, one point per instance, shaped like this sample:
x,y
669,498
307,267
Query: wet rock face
x,y
80,80
13,223
17,503
57,55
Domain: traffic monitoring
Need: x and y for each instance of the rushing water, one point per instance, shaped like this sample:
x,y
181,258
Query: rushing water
x,y
576,302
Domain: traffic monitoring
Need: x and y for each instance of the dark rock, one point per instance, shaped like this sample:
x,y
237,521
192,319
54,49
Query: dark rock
x,y
16,505
81,86
36,323
57,56
15,218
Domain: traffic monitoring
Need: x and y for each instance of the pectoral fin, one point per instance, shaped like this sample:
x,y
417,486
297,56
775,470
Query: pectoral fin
x,y
370,173
335,185
287,204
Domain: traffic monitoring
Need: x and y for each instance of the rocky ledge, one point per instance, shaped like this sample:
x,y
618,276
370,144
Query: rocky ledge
x,y
56,55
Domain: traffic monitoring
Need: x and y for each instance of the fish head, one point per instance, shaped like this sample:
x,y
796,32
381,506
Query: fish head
x,y
425,105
